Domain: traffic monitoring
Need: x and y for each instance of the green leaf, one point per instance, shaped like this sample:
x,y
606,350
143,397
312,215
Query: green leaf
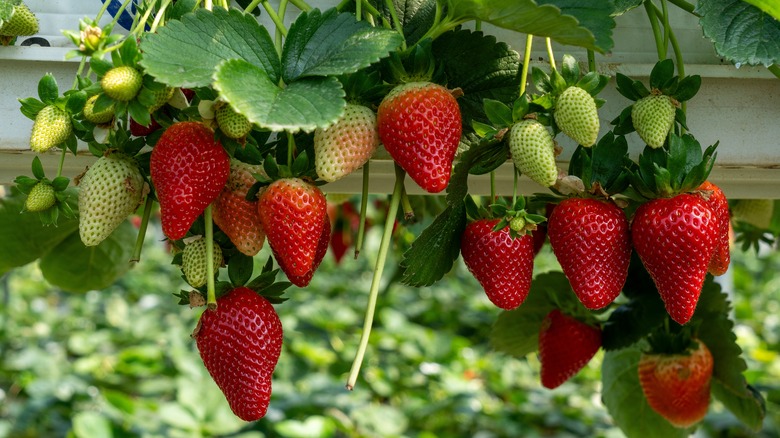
x,y
185,53
565,21
139,112
305,104
128,52
623,6
24,237
7,10
76,102
416,16
37,168
625,86
329,43
516,332
482,67
662,72
91,424
240,269
688,88
499,114
31,107
60,183
47,89
74,267
432,254
771,7
622,395
716,331
607,159
742,33
100,66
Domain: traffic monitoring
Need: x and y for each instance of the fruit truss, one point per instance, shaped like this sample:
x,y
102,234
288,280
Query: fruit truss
x,y
232,131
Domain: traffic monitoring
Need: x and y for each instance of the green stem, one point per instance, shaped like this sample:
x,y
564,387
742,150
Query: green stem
x,y
550,54
208,5
275,18
211,294
514,187
407,206
379,267
139,243
678,55
685,6
477,25
529,42
591,60
141,24
665,23
363,210
279,37
493,186
102,11
290,149
775,70
158,17
61,164
359,10
302,5
251,6
396,22
650,9
82,64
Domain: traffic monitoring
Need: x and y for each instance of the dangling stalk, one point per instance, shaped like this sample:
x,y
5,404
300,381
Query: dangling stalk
x,y
550,54
140,24
591,60
363,208
159,15
102,11
278,34
665,21
61,164
211,294
139,243
407,206
302,5
275,18
649,8
678,56
529,41
685,6
251,6
378,268
493,186
514,187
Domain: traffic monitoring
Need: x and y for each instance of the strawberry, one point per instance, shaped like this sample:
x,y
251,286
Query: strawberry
x,y
591,240
577,116
240,343
100,118
322,249
675,238
503,265
194,262
653,117
232,124
533,151
189,169
340,242
346,145
109,192
139,130
122,83
161,97
756,212
419,123
293,214
41,197
566,345
22,22
237,216
719,263
677,386
52,126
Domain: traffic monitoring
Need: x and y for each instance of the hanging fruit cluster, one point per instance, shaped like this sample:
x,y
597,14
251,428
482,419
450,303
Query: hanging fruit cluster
x,y
233,133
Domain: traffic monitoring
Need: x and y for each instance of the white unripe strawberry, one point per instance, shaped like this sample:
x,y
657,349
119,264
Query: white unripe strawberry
x,y
533,151
346,145
194,262
653,117
577,116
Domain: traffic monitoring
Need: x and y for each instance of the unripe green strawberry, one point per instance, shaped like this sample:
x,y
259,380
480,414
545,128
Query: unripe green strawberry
x,y
231,123
104,116
161,97
533,151
653,117
52,127
122,83
110,191
194,262
22,22
41,197
346,145
756,212
577,116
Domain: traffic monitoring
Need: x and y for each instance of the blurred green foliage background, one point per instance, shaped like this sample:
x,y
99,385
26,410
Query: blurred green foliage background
x,y
120,362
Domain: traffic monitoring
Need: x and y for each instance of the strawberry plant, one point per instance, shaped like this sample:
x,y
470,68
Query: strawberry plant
x,y
235,129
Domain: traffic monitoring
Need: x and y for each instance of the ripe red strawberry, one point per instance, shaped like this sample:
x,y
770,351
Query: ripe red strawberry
x,y
293,214
346,145
322,249
189,169
566,345
503,265
240,343
591,240
139,130
419,124
719,263
677,386
237,216
340,242
675,238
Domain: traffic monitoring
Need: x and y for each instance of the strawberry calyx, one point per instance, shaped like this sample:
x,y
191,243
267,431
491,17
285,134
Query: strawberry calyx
x,y
679,167
519,220
415,64
302,167
600,171
674,339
